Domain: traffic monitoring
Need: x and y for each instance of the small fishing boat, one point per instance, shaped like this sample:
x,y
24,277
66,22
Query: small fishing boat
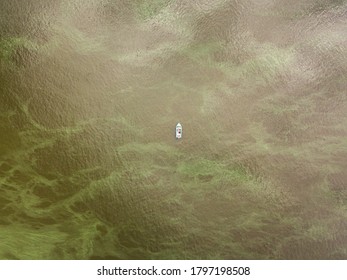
x,y
178,131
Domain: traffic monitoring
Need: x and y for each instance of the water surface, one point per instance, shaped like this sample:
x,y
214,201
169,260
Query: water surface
x,y
91,91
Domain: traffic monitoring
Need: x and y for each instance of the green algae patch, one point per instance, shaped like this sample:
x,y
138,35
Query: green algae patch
x,y
9,46
9,137
21,242
148,158
201,167
150,148
205,169
203,52
319,231
148,9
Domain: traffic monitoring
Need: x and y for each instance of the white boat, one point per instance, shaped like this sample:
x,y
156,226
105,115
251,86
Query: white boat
x,y
178,131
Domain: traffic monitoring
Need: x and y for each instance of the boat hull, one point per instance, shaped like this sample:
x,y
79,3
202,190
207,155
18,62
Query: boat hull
x,y
178,131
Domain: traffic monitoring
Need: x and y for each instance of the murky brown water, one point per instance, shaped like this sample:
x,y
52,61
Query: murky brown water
x,y
91,92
